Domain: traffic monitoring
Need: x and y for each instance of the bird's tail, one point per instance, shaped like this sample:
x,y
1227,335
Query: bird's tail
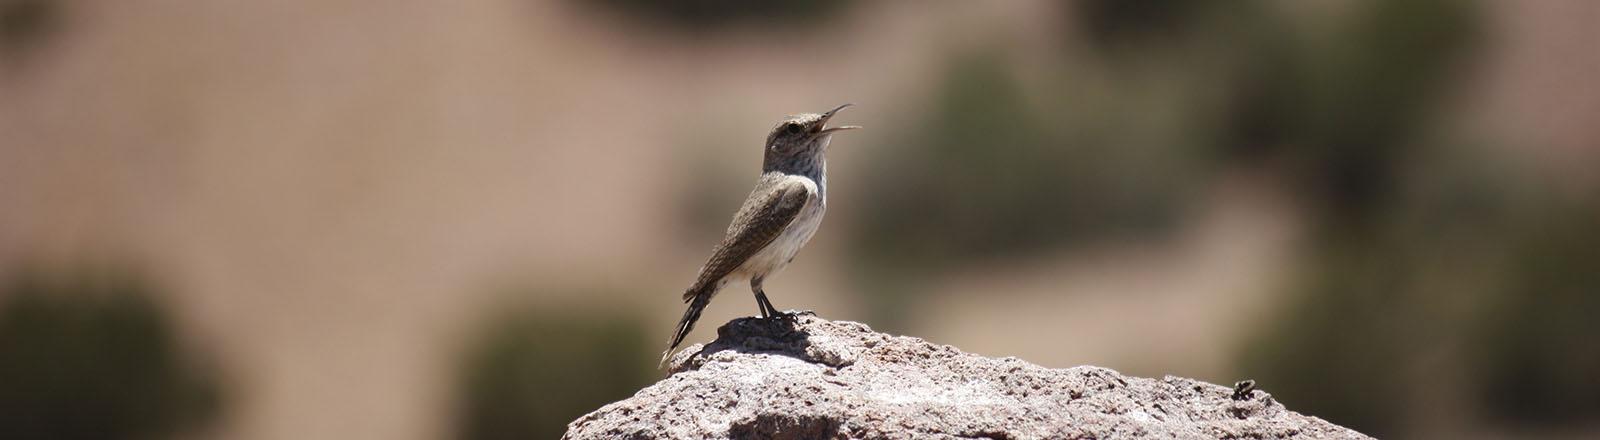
x,y
697,300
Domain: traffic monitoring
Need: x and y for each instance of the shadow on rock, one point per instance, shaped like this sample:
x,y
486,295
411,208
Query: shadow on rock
x,y
752,335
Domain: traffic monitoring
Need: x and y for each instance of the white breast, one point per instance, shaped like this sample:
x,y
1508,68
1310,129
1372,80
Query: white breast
x,y
775,256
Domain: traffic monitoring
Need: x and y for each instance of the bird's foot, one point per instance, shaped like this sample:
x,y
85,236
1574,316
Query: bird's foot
x,y
776,315
791,315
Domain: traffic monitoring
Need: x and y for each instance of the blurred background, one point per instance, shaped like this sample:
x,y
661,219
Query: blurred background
x,y
414,220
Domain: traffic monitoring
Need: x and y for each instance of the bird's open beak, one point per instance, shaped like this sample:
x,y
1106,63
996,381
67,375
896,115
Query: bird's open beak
x,y
829,115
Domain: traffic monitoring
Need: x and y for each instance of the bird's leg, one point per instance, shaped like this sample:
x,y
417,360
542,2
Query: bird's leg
x,y
767,310
761,298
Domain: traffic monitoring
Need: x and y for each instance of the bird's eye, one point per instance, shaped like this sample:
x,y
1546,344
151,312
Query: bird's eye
x,y
791,128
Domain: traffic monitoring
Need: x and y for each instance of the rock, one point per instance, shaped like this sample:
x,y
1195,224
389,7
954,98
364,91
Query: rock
x,y
813,378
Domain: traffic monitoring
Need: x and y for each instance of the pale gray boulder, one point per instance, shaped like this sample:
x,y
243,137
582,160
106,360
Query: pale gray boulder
x,y
811,378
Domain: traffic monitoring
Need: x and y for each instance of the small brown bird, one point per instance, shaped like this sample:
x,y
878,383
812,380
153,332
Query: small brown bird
x,y
778,217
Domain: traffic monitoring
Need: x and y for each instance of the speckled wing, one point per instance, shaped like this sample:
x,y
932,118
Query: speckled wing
x,y
771,207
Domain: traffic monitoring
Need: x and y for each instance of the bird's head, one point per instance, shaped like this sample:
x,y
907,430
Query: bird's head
x,y
804,134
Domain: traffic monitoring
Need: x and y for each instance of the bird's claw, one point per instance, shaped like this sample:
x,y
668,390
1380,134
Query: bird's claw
x,y
791,315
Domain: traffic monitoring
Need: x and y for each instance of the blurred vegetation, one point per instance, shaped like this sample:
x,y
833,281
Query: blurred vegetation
x,y
988,175
25,22
1379,314
1340,351
91,356
1494,294
1114,25
1347,117
990,171
1372,316
1542,362
1373,86
533,370
707,15
1428,260
1338,109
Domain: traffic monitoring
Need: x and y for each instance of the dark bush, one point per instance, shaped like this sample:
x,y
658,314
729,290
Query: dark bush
x,y
91,357
534,369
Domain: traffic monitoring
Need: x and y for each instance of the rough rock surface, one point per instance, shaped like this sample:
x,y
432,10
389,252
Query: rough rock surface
x,y
814,378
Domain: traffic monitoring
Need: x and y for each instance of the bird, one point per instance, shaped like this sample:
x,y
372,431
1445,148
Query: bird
x,y
778,217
